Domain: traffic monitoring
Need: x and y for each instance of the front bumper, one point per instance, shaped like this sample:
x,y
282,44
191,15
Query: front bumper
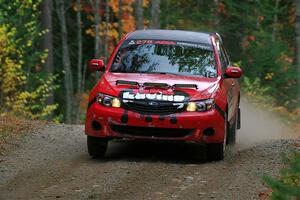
x,y
202,127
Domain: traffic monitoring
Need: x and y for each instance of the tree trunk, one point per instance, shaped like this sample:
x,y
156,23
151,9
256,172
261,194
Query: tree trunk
x,y
98,18
68,78
120,23
79,61
275,20
106,30
155,12
97,30
47,42
167,20
139,14
298,40
84,75
216,11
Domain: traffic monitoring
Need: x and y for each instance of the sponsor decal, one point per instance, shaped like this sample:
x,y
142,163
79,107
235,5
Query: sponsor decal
x,y
201,46
153,97
131,42
167,42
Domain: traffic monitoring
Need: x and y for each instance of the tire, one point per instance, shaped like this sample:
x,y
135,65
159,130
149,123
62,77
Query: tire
x,y
231,137
97,146
215,151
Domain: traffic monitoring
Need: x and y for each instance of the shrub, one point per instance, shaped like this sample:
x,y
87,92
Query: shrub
x,y
288,185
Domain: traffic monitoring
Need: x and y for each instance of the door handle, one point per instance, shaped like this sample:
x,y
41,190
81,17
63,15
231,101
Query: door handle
x,y
233,83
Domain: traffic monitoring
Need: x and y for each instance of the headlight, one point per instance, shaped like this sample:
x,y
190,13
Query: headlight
x,y
201,106
108,101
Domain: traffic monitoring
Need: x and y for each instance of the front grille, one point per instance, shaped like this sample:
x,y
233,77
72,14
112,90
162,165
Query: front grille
x,y
152,132
153,107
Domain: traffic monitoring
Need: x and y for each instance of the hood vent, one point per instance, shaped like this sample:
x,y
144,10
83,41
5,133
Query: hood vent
x,y
159,85
121,82
185,86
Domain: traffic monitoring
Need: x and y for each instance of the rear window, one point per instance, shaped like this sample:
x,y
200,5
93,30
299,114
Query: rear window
x,y
165,57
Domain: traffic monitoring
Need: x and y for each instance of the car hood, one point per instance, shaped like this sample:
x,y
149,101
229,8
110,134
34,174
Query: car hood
x,y
196,88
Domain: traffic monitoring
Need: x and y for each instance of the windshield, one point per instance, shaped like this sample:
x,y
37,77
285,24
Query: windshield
x,y
165,57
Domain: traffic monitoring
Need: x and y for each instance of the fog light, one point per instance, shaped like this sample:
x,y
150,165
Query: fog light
x,y
116,103
209,131
96,126
191,107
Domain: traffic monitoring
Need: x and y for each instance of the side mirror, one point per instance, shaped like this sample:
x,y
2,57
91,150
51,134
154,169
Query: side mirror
x,y
233,72
96,65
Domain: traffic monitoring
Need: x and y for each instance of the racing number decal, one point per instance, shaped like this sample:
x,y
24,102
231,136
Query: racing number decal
x,y
178,98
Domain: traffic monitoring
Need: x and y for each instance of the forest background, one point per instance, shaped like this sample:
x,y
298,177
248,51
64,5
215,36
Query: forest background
x,y
45,46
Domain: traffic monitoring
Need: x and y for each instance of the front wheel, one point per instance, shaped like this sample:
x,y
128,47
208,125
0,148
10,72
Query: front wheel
x,y
215,151
97,146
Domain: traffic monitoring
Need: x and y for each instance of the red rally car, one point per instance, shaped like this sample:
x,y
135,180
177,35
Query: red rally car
x,y
165,85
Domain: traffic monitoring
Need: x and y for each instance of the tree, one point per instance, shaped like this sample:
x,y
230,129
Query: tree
x,y
97,31
47,42
298,40
23,87
106,39
216,11
275,21
155,13
139,14
120,22
79,61
68,77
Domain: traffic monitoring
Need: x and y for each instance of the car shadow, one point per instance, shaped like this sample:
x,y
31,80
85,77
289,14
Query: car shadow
x,y
156,151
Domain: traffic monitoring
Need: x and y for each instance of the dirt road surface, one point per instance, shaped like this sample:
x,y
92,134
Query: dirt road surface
x,y
52,163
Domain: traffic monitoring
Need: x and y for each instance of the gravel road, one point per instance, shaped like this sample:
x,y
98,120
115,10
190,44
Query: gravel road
x,y
53,163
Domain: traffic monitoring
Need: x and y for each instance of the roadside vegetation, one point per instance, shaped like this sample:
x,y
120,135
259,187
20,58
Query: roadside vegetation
x,y
287,186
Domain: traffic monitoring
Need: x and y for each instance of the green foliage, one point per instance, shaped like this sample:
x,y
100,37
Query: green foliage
x,y
288,186
264,49
22,91
256,92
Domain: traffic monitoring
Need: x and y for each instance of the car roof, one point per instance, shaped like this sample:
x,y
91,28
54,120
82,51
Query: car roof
x,y
175,35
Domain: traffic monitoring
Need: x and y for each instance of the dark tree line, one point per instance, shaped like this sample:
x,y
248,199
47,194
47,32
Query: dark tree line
x,y
261,36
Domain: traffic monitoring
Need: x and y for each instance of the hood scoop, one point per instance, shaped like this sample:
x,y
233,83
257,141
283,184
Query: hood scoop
x,y
122,82
185,86
157,85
